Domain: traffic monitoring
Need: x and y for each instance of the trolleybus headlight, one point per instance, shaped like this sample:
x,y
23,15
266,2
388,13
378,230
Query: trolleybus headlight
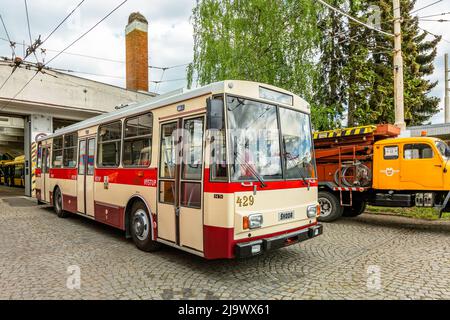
x,y
311,211
253,221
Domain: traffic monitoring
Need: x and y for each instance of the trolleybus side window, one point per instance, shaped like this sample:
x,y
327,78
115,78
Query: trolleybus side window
x,y
82,158
137,144
70,150
39,157
90,160
57,155
167,163
45,159
109,143
218,156
192,166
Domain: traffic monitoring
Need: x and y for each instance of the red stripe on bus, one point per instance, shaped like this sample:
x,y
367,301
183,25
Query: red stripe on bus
x,y
225,187
219,243
138,177
63,173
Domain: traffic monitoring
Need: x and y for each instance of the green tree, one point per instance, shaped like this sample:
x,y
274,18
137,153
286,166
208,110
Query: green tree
x,y
331,94
418,55
269,41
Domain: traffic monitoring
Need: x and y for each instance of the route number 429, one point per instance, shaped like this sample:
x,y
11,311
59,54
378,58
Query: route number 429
x,y
245,201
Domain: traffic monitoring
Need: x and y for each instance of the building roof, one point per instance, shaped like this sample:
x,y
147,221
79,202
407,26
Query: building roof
x,y
431,129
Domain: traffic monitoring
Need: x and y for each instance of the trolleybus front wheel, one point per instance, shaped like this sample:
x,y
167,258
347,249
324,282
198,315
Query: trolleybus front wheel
x,y
141,228
330,207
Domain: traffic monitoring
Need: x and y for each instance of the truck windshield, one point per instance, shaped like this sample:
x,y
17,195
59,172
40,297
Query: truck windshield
x,y
254,133
442,147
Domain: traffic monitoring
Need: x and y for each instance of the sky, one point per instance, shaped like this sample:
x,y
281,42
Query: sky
x,y
170,37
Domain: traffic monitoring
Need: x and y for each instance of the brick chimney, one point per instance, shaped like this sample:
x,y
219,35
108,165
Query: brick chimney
x,y
136,39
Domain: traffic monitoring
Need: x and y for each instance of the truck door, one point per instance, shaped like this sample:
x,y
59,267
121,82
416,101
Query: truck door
x,y
421,167
386,167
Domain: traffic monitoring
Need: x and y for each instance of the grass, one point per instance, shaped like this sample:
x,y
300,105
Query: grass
x,y
414,212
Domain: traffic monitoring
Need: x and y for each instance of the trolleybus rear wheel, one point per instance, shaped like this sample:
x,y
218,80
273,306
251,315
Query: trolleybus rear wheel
x,y
141,228
57,204
330,208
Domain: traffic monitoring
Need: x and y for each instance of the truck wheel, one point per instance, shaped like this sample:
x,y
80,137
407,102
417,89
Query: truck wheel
x,y
57,204
141,228
330,208
355,210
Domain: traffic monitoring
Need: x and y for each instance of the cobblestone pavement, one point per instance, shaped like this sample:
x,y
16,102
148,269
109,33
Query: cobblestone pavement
x,y
412,258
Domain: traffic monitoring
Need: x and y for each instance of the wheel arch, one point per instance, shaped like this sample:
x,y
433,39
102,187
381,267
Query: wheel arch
x,y
133,199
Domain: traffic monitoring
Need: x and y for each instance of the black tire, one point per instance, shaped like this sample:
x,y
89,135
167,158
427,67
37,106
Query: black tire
x,y
58,204
330,207
355,210
141,228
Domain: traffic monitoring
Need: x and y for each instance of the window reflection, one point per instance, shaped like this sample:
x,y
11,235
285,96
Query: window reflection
x,y
297,144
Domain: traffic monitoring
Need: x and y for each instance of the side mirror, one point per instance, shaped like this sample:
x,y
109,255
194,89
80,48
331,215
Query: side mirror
x,y
214,114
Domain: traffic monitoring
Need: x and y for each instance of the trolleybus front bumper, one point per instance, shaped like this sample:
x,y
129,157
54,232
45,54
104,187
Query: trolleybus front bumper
x,y
253,248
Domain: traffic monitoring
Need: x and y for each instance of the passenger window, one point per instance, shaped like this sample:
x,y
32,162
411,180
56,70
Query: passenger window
x,y
109,144
193,149
417,151
82,158
137,145
57,155
168,145
39,157
90,159
390,152
70,150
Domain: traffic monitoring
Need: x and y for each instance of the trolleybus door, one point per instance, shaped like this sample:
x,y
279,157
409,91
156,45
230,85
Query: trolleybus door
x,y
85,179
45,175
180,203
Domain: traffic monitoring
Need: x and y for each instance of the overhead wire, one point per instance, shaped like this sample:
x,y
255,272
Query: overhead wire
x,y
427,6
11,43
354,19
57,55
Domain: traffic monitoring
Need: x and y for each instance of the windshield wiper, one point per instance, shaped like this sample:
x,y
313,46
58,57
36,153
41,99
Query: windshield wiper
x,y
237,155
300,171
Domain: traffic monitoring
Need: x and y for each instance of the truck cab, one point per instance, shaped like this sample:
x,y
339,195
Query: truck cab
x,y
372,165
418,163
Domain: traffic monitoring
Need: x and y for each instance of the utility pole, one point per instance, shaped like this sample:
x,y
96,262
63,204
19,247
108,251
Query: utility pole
x,y
398,69
447,97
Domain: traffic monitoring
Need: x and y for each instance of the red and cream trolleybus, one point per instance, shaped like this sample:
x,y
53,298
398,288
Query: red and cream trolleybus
x,y
223,171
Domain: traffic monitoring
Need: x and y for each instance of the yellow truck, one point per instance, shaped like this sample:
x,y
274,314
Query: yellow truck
x,y
372,165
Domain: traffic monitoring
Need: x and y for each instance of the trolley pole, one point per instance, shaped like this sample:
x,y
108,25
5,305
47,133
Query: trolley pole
x,y
398,69
447,97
